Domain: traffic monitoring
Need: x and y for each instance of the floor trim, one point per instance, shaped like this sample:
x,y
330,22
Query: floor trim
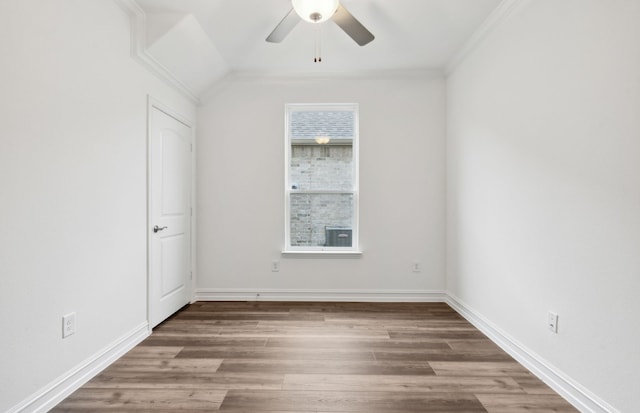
x,y
574,393
223,294
56,391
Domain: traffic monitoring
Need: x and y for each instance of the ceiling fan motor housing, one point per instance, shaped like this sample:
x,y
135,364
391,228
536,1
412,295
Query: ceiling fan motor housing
x,y
315,11
318,11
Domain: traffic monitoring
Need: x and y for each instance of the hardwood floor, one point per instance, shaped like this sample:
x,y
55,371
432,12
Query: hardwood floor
x,y
315,357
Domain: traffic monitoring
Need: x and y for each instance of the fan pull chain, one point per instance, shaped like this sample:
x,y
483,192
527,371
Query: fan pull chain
x,y
318,52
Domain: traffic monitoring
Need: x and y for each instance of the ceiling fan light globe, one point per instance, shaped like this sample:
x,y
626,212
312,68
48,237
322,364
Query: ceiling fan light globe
x,y
315,11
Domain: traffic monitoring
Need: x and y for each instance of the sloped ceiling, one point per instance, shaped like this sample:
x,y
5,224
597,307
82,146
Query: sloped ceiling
x,y
201,41
181,45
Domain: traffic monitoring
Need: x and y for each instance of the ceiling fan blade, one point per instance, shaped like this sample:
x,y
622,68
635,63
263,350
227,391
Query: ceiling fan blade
x,y
284,27
352,26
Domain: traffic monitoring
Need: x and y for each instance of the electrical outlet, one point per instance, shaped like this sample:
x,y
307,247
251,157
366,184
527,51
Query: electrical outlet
x,y
68,325
552,322
416,267
275,266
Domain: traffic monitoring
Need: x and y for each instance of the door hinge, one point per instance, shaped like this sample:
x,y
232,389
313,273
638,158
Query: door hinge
x,y
191,211
191,147
191,275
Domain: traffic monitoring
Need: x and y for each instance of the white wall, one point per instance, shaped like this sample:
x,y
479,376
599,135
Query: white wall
x,y
241,185
73,179
543,187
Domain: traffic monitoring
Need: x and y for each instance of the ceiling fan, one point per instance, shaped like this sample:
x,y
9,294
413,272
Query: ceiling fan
x,y
318,11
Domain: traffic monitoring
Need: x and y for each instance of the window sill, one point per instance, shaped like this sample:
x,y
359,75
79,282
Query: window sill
x,y
321,253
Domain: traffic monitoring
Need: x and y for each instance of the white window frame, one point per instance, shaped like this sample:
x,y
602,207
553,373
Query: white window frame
x,y
354,249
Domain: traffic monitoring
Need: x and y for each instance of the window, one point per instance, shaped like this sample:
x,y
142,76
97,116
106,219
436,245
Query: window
x,y
321,183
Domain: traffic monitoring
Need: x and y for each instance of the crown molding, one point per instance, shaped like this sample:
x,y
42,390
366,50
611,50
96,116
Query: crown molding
x,y
139,52
138,19
504,10
307,77
350,74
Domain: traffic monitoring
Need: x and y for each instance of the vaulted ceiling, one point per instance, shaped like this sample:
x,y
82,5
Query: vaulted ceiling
x,y
201,41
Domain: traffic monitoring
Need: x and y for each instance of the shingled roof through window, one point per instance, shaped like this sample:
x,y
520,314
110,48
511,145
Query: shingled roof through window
x,y
310,124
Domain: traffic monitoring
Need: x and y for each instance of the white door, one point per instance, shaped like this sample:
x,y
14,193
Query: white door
x,y
169,216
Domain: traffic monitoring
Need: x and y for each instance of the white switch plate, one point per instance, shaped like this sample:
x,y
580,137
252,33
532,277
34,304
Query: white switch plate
x,y
275,266
68,325
416,267
552,322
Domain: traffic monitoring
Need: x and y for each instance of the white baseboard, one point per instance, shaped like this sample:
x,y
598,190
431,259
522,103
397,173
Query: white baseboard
x,y
578,396
52,394
574,393
223,294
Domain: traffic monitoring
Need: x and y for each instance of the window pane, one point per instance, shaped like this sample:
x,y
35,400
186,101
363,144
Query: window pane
x,y
309,125
322,181
321,220
321,167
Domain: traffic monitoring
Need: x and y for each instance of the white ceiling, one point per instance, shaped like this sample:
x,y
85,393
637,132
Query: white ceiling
x,y
410,34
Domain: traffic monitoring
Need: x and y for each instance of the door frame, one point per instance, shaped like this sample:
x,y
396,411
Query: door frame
x,y
157,104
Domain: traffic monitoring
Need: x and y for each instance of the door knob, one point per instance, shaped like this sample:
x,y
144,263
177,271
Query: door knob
x,y
157,228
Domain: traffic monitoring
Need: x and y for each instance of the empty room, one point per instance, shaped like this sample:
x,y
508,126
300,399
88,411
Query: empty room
x,y
320,206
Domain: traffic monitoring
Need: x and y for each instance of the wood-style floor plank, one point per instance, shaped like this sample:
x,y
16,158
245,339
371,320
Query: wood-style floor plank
x,y
88,399
345,401
152,365
441,355
351,342
201,340
219,381
160,352
481,369
387,383
524,403
256,357
371,367
275,353
321,331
